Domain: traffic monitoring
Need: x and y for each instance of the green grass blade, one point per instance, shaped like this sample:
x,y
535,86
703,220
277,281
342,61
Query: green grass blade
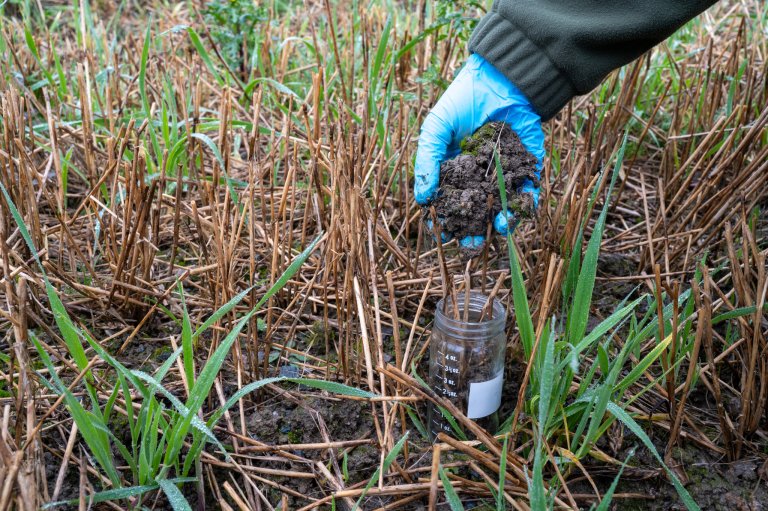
x,y
519,297
391,456
273,83
329,386
198,44
117,494
606,502
163,369
221,312
601,329
633,426
579,312
289,272
33,48
546,383
175,498
68,330
143,90
450,493
643,365
500,502
187,342
95,439
737,313
185,412
220,159
63,89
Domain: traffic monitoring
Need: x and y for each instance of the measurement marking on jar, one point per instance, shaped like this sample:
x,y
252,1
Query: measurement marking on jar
x,y
441,425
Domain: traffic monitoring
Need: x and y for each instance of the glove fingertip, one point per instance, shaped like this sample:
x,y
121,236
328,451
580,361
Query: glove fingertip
x,y
472,242
505,222
445,237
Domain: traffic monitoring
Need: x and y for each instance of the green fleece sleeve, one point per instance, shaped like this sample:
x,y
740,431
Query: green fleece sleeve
x,y
553,50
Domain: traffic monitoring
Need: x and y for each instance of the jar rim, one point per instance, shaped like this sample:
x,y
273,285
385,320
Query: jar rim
x,y
477,301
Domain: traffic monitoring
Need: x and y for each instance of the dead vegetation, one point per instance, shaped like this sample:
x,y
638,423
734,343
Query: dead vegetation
x,y
143,165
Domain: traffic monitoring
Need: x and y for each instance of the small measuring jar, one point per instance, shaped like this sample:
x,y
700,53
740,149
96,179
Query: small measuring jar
x,y
466,360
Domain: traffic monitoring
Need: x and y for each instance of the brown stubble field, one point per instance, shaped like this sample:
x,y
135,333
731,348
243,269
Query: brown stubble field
x,y
161,182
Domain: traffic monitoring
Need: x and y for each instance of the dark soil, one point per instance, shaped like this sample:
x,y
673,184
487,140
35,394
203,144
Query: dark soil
x,y
713,483
469,180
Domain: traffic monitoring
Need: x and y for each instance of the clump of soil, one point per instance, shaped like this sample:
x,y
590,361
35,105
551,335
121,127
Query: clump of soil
x,y
468,180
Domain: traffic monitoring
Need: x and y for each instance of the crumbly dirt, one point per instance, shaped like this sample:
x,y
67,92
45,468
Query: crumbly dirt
x,y
468,195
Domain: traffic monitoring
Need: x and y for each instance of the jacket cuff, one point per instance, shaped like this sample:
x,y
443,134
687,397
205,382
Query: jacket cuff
x,y
526,65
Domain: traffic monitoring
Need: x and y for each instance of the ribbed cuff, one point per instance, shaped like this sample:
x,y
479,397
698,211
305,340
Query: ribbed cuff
x,y
526,65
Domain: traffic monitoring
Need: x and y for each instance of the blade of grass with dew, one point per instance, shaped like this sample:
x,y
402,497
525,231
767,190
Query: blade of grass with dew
x,y
450,493
208,374
633,426
67,328
390,457
289,272
175,498
639,368
119,445
332,387
601,329
200,392
183,410
605,393
117,494
547,382
161,371
416,421
737,313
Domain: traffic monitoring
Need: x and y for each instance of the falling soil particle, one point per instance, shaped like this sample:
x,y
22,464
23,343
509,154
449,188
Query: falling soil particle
x,y
468,180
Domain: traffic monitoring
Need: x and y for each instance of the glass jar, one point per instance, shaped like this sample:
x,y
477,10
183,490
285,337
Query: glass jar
x,y
466,361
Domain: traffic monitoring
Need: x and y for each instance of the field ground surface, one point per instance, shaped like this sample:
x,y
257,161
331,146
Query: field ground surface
x,y
217,291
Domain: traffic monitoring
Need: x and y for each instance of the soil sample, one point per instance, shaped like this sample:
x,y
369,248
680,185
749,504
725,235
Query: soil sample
x,y
468,194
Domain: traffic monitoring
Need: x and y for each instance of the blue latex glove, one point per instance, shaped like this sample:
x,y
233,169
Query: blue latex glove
x,y
479,94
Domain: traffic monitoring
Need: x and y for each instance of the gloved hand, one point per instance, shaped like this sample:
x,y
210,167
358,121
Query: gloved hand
x,y
479,94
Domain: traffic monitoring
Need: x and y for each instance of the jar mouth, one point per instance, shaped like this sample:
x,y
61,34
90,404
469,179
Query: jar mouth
x,y
445,319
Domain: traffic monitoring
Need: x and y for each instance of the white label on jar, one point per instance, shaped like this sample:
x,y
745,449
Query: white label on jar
x,y
484,397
